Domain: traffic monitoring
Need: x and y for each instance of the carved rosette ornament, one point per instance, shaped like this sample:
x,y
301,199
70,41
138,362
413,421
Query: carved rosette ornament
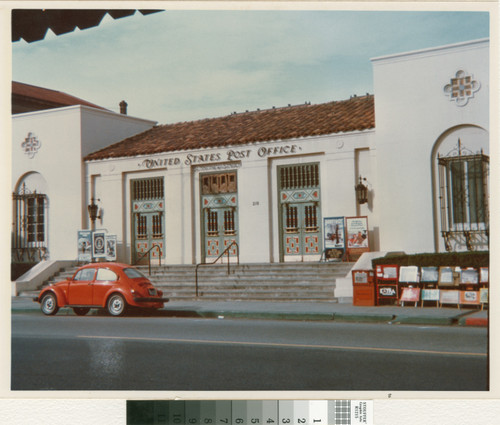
x,y
31,145
462,88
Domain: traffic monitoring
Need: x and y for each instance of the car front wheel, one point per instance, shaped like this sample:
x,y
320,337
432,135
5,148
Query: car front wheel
x,y
49,304
116,305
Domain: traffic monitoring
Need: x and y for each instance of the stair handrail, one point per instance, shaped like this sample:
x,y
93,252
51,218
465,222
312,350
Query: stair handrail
x,y
217,259
148,253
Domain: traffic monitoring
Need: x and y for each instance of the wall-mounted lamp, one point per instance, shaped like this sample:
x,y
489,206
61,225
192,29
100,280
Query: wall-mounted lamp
x,y
361,191
93,210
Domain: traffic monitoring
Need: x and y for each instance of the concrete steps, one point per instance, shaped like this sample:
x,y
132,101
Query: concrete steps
x,y
251,282
289,282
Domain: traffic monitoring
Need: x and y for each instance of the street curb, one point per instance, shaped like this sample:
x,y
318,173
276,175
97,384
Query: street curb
x,y
419,320
378,318
473,321
266,316
371,317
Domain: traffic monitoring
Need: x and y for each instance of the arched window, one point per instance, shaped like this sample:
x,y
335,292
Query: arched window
x,y
29,233
463,175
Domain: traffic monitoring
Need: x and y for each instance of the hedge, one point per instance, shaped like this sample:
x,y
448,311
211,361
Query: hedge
x,y
18,269
451,259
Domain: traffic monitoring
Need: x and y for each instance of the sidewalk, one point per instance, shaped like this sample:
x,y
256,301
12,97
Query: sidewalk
x,y
324,311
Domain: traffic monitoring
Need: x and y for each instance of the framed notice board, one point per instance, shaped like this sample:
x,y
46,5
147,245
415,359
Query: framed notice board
x,y
446,276
357,237
334,239
429,276
84,246
408,274
469,276
99,244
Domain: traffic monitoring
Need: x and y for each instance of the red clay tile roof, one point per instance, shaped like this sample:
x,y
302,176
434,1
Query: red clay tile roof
x,y
26,97
355,114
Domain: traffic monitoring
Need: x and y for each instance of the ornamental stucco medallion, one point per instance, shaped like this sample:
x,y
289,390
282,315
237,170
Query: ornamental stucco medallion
x,y
462,88
31,145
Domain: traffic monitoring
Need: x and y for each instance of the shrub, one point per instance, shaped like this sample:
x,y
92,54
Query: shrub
x,y
18,269
452,259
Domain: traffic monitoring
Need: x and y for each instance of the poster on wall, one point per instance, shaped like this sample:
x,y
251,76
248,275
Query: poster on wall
x,y
99,244
334,238
357,237
111,247
84,246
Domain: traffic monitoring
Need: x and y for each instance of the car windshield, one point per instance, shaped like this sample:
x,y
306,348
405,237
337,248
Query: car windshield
x,y
133,273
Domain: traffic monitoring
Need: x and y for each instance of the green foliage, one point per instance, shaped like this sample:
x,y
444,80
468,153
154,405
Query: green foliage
x,y
452,259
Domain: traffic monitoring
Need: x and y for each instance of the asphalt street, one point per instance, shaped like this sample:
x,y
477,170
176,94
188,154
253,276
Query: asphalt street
x,y
160,353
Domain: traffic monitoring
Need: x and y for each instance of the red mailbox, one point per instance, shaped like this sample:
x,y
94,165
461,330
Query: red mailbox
x,y
363,282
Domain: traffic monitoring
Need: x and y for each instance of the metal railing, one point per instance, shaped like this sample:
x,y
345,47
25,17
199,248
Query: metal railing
x,y
217,259
148,253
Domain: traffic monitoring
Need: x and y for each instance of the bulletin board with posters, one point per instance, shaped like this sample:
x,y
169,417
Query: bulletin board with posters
x,y
99,244
357,237
334,241
111,241
84,246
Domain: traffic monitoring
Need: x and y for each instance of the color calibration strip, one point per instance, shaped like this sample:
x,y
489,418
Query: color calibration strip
x,y
250,412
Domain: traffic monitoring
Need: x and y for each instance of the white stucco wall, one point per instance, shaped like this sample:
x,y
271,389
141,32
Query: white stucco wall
x,y
258,205
412,112
59,162
413,116
102,128
65,135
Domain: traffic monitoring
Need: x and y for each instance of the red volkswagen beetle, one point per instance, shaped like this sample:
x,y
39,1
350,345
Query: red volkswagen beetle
x,y
112,286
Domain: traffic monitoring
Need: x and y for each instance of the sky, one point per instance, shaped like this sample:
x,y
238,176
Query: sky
x,y
183,65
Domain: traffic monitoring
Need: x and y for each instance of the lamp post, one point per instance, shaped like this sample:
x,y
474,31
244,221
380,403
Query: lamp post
x,y
361,191
93,209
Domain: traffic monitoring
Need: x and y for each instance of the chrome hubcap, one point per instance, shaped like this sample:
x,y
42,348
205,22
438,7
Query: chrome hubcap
x,y
116,305
49,304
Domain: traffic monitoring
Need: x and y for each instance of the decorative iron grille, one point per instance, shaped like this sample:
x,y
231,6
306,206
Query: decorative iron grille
x,y
214,184
147,189
300,176
29,239
464,195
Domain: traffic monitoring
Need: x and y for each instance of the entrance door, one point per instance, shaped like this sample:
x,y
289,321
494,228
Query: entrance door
x,y
147,218
300,212
220,231
148,233
301,233
219,200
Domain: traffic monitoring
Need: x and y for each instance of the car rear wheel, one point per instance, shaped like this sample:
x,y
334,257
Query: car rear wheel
x,y
49,304
81,311
116,305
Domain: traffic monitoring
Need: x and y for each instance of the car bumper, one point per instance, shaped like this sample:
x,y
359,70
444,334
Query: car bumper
x,y
36,300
